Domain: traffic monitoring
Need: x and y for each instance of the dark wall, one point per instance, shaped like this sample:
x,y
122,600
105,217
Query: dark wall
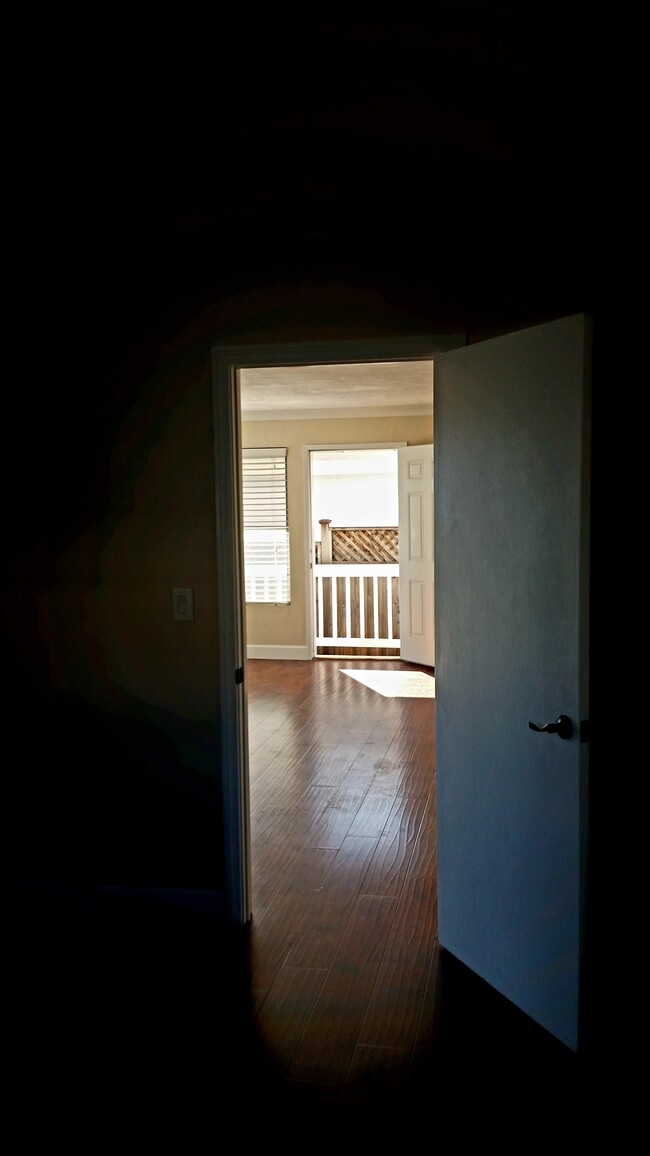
x,y
442,160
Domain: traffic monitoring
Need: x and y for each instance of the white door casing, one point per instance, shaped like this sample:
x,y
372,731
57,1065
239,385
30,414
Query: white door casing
x,y
227,360
310,451
416,576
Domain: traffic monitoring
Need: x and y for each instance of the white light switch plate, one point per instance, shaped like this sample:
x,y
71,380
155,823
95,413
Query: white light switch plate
x,y
183,604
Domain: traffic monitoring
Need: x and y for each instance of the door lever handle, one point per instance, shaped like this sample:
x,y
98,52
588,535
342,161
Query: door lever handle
x,y
563,727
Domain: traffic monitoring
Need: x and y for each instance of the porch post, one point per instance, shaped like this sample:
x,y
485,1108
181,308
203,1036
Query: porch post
x,y
325,541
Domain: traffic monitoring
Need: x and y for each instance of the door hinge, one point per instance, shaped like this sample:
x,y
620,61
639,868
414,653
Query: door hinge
x,y
239,674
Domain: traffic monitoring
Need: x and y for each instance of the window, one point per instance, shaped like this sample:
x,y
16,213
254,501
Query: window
x,y
266,527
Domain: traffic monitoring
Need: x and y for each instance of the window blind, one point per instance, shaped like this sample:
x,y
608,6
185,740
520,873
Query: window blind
x,y
266,525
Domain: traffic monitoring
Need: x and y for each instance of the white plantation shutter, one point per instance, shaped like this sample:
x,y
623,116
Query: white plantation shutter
x,y
266,525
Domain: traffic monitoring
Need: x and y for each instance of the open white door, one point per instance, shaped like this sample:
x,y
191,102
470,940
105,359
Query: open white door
x,y
511,564
416,601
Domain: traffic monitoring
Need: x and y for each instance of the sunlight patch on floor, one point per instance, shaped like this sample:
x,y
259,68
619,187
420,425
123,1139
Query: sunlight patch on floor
x,y
396,683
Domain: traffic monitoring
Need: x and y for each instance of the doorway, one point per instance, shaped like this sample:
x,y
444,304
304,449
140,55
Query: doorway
x,y
354,551
503,377
228,363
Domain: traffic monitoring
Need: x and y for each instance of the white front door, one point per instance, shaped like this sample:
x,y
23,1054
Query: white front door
x,y
512,565
416,598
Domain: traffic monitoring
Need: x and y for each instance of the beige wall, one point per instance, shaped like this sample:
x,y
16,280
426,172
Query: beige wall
x,y
271,625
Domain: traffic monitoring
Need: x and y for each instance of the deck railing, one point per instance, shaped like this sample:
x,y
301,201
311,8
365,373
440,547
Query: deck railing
x,y
357,605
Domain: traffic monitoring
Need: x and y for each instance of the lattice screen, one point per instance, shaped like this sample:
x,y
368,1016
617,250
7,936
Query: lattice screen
x,y
363,544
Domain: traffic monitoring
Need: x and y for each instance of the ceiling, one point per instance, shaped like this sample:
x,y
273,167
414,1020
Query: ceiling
x,y
446,153
380,389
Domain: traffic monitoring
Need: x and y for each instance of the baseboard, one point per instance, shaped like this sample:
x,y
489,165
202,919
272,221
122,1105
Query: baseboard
x,y
299,653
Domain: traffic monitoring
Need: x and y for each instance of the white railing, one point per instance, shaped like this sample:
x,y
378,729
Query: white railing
x,y
357,605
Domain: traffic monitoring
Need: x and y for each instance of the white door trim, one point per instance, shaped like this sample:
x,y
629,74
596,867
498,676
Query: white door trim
x,y
307,452
227,360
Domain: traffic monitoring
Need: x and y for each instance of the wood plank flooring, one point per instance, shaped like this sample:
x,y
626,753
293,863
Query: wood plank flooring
x,y
334,1017
355,1005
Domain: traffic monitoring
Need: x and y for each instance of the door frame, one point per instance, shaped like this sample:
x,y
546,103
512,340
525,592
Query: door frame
x,y
417,570
307,464
227,361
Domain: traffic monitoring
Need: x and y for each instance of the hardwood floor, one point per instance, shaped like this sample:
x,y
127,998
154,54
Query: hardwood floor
x,y
355,1006
333,1017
